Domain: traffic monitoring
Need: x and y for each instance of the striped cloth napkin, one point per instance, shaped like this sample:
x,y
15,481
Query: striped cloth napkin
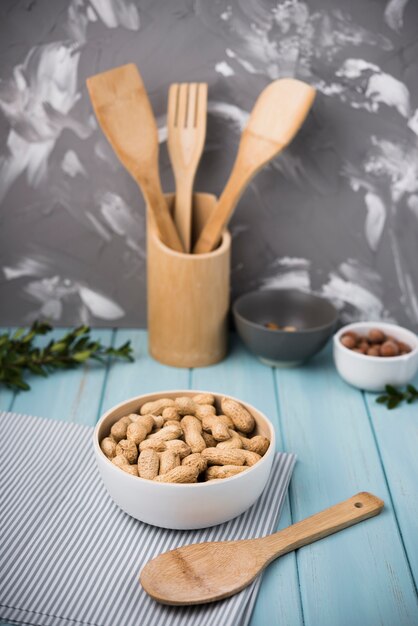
x,y
69,555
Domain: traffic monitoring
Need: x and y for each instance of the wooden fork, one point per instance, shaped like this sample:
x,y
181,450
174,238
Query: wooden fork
x,y
187,106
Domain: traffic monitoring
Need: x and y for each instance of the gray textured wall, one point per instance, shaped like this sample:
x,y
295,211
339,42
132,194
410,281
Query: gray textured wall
x,y
337,213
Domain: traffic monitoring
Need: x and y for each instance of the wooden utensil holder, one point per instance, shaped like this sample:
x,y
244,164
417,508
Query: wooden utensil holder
x,y
188,295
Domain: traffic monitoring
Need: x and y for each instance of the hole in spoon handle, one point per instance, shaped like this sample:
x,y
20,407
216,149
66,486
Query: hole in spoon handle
x,y
331,520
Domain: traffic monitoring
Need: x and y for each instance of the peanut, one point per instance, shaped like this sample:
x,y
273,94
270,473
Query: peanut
x,y
225,471
179,447
204,410
108,447
181,474
204,398
196,460
168,461
129,450
250,458
136,432
170,413
185,405
158,421
149,421
157,406
118,430
171,423
258,444
215,456
214,446
152,444
130,469
209,440
119,460
148,464
192,429
216,426
167,433
234,442
242,419
133,417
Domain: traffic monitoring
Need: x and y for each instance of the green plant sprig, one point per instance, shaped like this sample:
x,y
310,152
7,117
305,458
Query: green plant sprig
x,y
393,397
19,355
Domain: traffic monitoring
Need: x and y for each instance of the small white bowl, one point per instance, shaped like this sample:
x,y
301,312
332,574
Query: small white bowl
x,y
182,506
372,373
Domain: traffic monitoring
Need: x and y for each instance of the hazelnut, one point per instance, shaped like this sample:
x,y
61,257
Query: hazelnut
x,y
389,348
376,336
272,326
373,351
348,341
359,351
352,334
403,347
363,345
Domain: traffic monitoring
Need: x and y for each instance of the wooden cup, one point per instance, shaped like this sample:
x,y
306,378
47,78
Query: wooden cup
x,y
188,295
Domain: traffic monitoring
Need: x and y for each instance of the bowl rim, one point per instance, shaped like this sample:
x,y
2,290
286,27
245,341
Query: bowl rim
x,y
209,484
313,329
368,357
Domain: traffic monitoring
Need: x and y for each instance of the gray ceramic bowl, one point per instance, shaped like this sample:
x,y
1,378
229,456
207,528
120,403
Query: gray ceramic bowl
x,y
313,317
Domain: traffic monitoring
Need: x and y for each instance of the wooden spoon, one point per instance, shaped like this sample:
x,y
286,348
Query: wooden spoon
x,y
205,572
124,113
275,119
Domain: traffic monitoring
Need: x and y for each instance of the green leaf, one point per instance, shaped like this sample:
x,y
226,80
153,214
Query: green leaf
x,y
19,332
81,330
80,357
20,384
392,391
393,402
412,390
382,399
37,369
60,346
19,354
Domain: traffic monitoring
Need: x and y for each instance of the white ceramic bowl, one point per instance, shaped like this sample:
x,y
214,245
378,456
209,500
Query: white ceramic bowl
x,y
182,506
372,373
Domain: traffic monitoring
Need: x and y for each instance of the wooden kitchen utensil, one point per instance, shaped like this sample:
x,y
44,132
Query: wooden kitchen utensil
x,y
275,119
188,296
124,113
205,572
186,122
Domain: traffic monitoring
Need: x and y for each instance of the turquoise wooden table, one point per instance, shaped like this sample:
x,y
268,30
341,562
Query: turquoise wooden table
x,y
366,575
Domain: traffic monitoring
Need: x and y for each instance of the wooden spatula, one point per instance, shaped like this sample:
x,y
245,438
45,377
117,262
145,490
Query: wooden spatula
x,y
275,119
186,122
205,572
125,115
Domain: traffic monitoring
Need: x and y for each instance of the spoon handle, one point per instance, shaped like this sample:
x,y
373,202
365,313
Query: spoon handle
x,y
337,517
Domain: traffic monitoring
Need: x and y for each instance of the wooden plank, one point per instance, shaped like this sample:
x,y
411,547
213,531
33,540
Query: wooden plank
x,y
396,433
241,375
144,376
361,575
70,395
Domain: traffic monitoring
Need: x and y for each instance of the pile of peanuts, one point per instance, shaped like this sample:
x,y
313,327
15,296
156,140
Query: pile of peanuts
x,y
183,440
375,343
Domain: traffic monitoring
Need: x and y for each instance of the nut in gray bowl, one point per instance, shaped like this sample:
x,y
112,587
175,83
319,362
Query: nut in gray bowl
x,y
310,319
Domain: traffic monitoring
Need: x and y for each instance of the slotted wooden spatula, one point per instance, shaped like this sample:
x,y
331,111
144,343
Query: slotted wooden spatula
x,y
205,572
186,122
275,119
124,113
